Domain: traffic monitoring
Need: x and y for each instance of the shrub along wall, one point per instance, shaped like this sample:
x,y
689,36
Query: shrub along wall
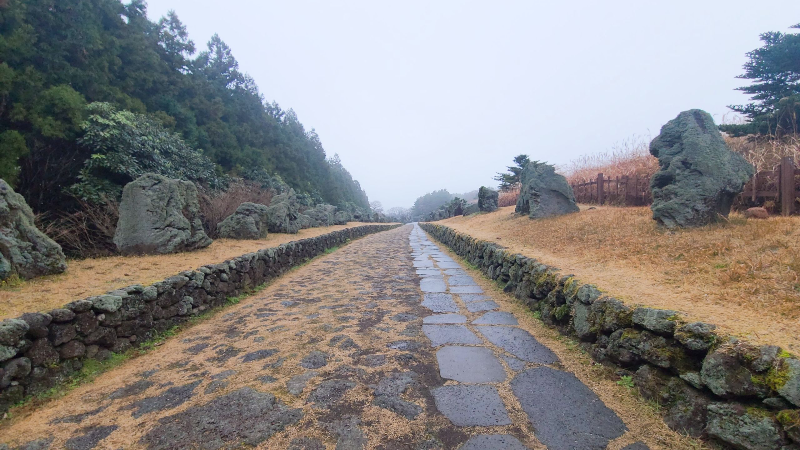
x,y
708,385
37,350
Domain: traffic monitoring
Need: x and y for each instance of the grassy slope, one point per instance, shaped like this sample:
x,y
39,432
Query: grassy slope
x,y
741,275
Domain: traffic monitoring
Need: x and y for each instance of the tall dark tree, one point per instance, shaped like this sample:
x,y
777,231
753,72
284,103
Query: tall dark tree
x,y
511,178
775,90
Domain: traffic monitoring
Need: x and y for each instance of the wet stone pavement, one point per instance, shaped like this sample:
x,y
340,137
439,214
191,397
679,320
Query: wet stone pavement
x,y
386,343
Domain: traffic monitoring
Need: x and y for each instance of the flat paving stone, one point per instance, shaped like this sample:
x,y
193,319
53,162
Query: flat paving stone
x,y
469,298
565,414
450,334
519,343
514,363
440,303
432,285
461,280
298,383
470,365
496,318
636,446
482,306
471,405
429,272
444,318
455,272
426,264
493,442
466,289
448,265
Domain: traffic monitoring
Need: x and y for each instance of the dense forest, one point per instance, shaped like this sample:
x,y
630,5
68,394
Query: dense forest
x,y
93,94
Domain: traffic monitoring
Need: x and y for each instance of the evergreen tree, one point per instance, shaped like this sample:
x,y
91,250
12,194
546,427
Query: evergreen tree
x,y
511,178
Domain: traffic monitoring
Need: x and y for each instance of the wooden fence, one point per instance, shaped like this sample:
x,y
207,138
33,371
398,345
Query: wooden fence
x,y
778,189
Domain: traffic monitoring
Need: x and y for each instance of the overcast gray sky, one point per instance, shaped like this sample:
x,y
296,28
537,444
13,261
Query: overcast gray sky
x,y
416,96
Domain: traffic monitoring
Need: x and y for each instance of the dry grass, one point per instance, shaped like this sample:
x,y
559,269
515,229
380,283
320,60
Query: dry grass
x,y
509,197
742,275
216,206
627,158
95,276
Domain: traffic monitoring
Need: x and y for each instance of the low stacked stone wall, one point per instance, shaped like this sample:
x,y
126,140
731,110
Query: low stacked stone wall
x,y
708,385
38,350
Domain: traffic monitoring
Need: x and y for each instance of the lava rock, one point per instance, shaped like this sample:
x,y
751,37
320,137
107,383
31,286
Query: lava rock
x,y
249,221
544,193
487,199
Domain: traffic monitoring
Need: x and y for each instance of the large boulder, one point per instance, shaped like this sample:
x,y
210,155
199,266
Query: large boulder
x,y
322,215
24,250
250,221
698,175
159,215
544,193
342,217
284,214
487,199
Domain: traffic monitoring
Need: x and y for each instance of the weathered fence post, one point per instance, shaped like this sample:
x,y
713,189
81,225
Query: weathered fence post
x,y
600,185
786,190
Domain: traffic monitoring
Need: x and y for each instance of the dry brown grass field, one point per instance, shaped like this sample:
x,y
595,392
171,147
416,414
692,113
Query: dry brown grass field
x,y
94,276
742,275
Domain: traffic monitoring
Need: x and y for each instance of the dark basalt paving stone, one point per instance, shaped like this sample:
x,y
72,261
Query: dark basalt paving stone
x,y
514,363
565,414
496,318
215,386
135,388
519,343
329,392
429,272
448,265
395,383
343,342
266,379
493,442
245,416
444,318
171,398
306,443
432,285
423,264
77,418
471,405
350,435
404,345
195,349
404,317
470,365
455,272
258,355
482,306
223,375
440,303
466,289
297,384
398,406
90,438
450,334
469,298
636,446
314,360
38,444
288,303
224,354
461,280
374,360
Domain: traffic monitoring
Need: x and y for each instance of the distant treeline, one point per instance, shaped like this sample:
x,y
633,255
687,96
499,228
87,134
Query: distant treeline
x,y
144,80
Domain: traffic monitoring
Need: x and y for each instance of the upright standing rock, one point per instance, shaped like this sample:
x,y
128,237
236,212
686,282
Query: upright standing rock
x,y
250,221
284,213
698,175
24,249
159,215
487,199
544,193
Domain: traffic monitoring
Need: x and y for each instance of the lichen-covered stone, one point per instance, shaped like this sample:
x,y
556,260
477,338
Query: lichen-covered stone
x,y
12,330
696,336
487,199
544,193
42,353
698,175
726,373
61,315
684,408
661,321
24,249
159,215
744,428
37,324
249,221
322,215
588,293
788,374
107,303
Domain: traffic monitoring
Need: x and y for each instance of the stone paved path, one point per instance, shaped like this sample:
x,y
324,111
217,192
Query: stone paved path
x,y
387,344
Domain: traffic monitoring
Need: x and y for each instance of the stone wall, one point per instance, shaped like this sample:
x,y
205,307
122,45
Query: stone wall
x,y
38,350
708,385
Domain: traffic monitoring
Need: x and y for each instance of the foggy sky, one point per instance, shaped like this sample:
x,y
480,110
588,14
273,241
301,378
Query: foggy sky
x,y
416,96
